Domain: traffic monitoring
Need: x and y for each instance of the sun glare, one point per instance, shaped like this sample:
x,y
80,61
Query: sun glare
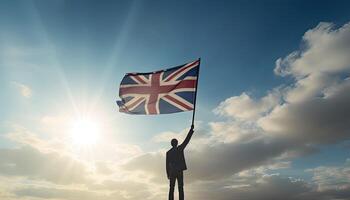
x,y
85,132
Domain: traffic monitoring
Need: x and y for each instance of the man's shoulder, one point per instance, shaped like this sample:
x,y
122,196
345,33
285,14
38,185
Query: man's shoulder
x,y
174,150
170,150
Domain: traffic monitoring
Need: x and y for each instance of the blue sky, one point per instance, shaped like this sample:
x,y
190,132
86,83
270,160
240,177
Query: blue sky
x,y
92,45
64,59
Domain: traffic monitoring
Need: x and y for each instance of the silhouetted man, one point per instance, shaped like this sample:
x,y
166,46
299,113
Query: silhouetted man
x,y
176,164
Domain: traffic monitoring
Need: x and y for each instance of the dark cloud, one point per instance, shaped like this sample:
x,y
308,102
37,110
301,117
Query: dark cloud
x,y
68,194
318,120
215,161
132,189
31,163
225,159
266,187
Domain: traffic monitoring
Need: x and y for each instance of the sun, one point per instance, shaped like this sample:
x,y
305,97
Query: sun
x,y
85,132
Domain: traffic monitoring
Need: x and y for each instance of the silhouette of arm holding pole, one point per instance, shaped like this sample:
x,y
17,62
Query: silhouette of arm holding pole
x,y
188,138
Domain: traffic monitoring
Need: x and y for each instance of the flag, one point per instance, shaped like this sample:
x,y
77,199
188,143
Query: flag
x,y
160,92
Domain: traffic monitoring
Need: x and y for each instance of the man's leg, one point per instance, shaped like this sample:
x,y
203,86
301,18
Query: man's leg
x,y
180,183
172,186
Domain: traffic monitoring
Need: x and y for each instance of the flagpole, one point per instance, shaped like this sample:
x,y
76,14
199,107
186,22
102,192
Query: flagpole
x,y
195,94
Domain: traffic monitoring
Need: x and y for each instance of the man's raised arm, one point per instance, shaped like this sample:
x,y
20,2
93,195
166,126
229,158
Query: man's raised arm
x,y
188,138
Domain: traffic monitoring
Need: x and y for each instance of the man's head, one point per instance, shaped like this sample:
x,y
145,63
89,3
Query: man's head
x,y
174,142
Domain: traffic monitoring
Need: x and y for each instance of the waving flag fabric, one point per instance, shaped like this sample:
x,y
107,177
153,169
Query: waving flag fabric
x,y
160,92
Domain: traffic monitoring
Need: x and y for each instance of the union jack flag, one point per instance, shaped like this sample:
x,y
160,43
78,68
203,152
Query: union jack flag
x,y
160,92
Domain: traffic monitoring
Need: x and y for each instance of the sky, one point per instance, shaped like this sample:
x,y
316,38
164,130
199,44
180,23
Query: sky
x,y
272,118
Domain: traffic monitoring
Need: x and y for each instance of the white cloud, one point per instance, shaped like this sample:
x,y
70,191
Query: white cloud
x,y
24,90
243,107
320,64
316,108
326,51
332,177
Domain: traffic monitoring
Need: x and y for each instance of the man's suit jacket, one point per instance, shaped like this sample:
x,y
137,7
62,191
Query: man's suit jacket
x,y
175,158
